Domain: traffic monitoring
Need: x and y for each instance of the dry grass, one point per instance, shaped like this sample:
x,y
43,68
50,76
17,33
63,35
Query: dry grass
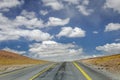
x,y
9,58
11,61
110,63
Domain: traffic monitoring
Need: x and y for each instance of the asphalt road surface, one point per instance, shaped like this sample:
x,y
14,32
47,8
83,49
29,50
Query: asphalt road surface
x,y
58,71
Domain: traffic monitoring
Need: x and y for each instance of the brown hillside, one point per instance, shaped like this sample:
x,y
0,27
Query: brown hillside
x,y
110,63
9,58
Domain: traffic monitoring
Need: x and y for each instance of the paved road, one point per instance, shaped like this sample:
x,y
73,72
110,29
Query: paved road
x,y
23,74
59,71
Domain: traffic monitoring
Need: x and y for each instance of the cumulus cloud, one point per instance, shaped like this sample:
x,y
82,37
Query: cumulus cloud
x,y
117,40
95,32
36,35
5,5
112,27
53,51
71,32
22,20
83,9
72,1
11,29
43,12
113,4
29,20
27,14
28,26
54,4
15,34
28,23
113,48
57,21
81,5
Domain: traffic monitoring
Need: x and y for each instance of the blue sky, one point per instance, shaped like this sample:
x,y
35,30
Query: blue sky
x,y
54,29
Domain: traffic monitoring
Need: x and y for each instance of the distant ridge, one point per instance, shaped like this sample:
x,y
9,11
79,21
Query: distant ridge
x,y
10,58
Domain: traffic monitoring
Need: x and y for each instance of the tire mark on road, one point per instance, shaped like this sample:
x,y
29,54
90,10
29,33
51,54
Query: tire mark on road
x,y
60,73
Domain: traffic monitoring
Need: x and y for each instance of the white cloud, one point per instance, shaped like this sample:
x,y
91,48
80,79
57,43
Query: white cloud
x,y
81,5
5,5
57,21
43,12
5,23
117,40
113,4
15,34
85,2
72,1
54,4
27,14
20,20
91,56
36,35
71,32
113,48
28,23
14,51
95,32
53,51
83,9
49,42
29,20
11,29
112,27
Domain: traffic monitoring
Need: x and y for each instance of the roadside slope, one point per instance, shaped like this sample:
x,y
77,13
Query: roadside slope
x,y
11,61
111,64
9,58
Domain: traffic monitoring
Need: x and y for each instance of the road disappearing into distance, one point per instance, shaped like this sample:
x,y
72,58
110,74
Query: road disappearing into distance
x,y
55,71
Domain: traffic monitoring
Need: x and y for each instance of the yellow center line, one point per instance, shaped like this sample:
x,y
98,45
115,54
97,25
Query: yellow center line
x,y
41,72
82,71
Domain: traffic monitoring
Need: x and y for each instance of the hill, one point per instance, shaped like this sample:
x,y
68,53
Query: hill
x,y
110,63
10,58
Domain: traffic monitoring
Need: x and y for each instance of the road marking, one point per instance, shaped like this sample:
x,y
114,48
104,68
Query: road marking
x,y
41,72
82,71
16,71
